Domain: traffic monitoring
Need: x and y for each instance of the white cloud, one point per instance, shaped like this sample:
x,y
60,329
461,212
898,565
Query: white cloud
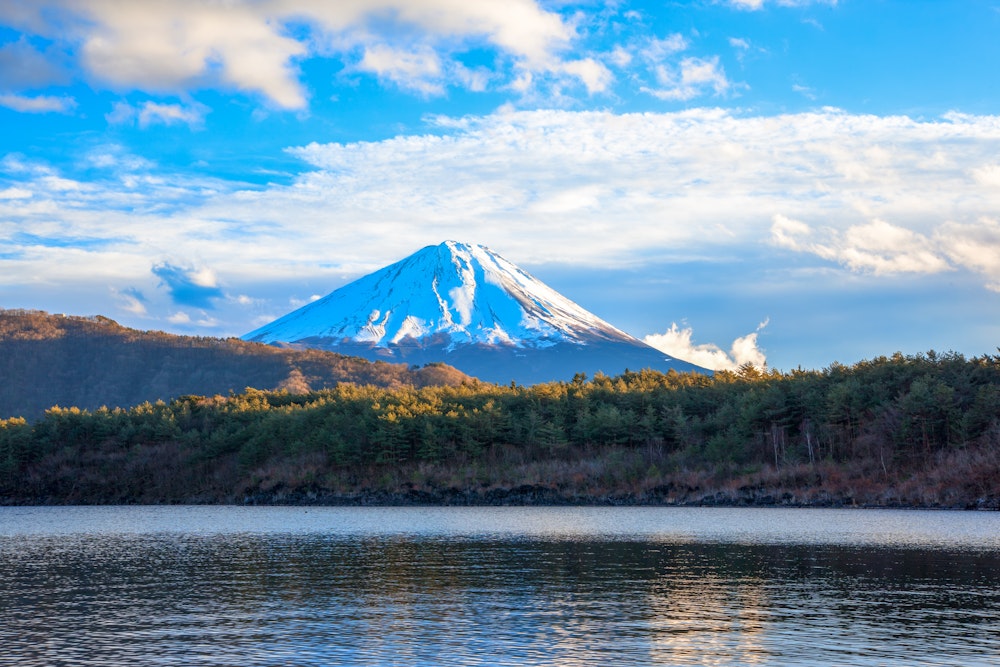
x,y
883,248
184,320
804,91
170,47
129,301
691,78
475,79
756,5
417,70
603,186
620,57
183,45
678,343
116,157
975,246
38,104
988,175
880,195
298,303
877,246
204,277
595,76
598,187
153,113
15,193
658,50
790,234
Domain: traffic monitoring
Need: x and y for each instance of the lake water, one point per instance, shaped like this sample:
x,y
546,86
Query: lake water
x,y
497,586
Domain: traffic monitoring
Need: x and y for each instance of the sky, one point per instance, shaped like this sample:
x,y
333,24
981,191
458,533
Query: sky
x,y
785,182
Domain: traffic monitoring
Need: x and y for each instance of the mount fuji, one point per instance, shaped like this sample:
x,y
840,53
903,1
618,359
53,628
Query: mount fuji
x,y
469,307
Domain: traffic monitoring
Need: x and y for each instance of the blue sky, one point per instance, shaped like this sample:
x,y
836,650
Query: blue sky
x,y
793,181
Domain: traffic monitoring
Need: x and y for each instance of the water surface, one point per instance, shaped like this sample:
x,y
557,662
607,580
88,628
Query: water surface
x,y
497,586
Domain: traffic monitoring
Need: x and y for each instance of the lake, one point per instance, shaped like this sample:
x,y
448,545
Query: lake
x,y
269,586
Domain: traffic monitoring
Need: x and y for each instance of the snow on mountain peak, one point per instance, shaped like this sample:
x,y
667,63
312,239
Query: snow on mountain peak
x,y
465,292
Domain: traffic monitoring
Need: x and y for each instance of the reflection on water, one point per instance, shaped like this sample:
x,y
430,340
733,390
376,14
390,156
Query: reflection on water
x,y
202,586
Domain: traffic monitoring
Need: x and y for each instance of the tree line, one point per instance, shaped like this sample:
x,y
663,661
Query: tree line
x,y
897,414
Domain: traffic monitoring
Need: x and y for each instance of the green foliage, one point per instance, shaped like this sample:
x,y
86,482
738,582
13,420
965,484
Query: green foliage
x,y
901,412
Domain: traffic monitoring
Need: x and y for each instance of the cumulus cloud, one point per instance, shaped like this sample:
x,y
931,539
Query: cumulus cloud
x,y
679,343
171,47
38,104
884,248
877,246
256,46
975,246
594,75
881,248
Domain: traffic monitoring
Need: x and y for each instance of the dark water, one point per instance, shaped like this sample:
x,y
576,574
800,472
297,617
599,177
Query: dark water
x,y
507,586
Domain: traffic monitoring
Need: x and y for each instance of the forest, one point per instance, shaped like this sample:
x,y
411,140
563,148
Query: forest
x,y
88,362
914,431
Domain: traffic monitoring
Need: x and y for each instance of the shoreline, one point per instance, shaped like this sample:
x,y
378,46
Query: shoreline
x,y
524,496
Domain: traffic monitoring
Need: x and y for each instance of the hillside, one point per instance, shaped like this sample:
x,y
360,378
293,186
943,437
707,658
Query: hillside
x,y
920,431
87,362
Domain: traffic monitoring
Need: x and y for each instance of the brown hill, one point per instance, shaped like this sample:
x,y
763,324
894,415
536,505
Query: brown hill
x,y
88,362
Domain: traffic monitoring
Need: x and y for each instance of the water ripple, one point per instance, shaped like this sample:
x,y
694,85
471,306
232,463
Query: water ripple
x,y
271,597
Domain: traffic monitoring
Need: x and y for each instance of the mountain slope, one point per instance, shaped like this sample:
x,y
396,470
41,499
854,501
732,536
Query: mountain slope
x,y
469,307
48,360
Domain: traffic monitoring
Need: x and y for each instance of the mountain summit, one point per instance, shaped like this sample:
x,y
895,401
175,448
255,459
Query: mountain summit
x,y
467,306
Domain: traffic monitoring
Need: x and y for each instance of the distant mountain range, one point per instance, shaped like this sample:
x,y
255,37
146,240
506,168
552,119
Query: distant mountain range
x,y
87,362
469,307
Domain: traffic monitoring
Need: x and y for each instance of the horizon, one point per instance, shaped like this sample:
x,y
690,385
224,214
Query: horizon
x,y
799,182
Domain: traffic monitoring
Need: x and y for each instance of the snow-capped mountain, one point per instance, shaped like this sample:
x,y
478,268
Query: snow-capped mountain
x,y
469,307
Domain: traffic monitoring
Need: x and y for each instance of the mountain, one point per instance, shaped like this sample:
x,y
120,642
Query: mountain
x,y
87,362
469,307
